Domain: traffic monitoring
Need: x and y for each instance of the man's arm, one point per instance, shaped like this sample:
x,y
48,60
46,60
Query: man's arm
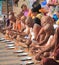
x,y
40,32
45,39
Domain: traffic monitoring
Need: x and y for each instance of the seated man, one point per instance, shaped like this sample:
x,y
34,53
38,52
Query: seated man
x,y
12,25
45,32
26,32
15,23
50,45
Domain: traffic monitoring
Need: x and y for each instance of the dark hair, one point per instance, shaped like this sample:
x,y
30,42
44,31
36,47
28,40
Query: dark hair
x,y
37,21
4,16
23,5
35,4
36,9
8,22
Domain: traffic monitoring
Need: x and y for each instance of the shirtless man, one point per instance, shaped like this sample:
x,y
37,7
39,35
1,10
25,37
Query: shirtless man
x,y
12,26
45,32
49,46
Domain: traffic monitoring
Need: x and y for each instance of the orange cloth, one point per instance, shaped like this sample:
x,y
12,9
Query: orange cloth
x,y
19,26
43,10
30,13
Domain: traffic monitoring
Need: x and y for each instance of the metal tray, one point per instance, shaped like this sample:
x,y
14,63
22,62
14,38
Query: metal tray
x,y
11,47
19,51
7,40
26,58
23,54
27,63
30,62
10,42
1,39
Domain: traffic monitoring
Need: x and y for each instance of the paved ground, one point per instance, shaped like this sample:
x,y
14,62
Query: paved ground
x,y
7,56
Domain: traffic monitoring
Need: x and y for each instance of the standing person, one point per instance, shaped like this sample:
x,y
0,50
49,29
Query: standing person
x,y
10,20
7,22
4,21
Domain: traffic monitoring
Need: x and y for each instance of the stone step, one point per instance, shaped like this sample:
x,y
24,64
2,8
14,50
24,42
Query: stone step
x,y
9,59
5,50
10,62
6,53
10,56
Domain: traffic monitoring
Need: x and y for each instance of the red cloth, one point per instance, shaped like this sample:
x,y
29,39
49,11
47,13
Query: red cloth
x,y
56,54
49,61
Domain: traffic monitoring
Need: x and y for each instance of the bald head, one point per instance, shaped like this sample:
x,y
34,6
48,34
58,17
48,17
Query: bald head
x,y
46,19
29,22
23,18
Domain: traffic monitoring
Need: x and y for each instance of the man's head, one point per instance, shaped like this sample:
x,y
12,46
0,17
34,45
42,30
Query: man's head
x,y
11,13
23,18
46,19
29,22
34,11
20,15
23,7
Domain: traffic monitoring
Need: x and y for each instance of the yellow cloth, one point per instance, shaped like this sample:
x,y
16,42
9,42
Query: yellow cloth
x,y
39,16
33,17
57,22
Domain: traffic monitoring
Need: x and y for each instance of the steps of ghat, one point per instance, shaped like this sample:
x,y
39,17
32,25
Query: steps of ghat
x,y
8,57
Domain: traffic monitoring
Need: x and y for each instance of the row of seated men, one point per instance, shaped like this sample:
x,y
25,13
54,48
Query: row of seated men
x,y
41,39
37,31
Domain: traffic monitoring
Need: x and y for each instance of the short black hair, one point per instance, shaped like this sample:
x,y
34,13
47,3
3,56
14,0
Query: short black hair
x,y
36,9
34,4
